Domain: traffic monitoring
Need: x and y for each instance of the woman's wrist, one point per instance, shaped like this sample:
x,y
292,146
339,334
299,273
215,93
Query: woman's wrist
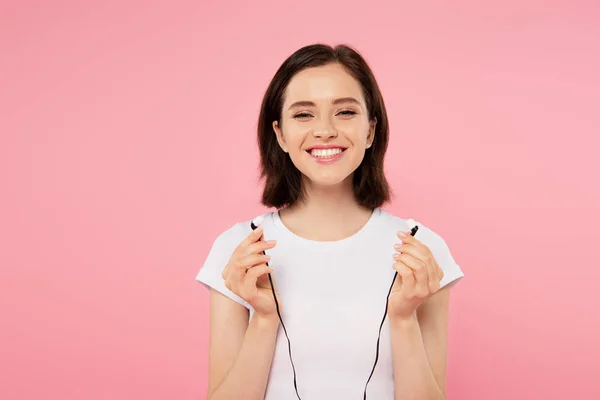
x,y
403,320
266,320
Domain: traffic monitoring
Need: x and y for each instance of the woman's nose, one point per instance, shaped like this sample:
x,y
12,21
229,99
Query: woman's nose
x,y
325,132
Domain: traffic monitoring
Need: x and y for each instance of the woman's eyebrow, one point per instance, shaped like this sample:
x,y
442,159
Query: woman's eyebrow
x,y
341,100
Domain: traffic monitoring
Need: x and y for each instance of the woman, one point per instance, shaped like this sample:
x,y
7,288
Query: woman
x,y
332,253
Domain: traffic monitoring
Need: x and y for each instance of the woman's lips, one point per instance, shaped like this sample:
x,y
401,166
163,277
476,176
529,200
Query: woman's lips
x,y
327,160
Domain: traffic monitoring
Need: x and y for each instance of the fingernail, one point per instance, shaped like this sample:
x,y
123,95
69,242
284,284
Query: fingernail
x,y
396,256
271,241
398,246
402,233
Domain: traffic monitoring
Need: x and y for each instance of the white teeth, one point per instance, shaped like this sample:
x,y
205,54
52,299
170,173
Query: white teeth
x,y
325,153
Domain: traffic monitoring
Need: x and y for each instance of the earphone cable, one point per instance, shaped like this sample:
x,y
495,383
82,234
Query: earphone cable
x,y
286,334
282,324
412,233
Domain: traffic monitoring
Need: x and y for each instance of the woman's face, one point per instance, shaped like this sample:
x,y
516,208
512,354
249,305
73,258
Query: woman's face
x,y
324,107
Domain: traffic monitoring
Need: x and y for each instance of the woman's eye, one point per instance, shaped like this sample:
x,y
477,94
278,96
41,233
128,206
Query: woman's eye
x,y
302,115
306,115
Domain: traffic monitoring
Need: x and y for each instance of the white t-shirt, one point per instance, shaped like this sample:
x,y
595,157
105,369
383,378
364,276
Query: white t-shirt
x,y
333,296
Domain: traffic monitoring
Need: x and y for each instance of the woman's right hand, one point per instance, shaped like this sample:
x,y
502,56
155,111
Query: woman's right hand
x,y
246,273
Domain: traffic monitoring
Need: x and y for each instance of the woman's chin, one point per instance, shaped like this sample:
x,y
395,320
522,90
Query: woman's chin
x,y
326,179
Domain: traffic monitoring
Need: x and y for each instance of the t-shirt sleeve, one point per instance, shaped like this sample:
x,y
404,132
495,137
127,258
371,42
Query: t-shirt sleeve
x,y
210,274
441,252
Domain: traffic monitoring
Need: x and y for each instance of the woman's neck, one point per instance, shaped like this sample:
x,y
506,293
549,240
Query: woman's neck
x,y
327,214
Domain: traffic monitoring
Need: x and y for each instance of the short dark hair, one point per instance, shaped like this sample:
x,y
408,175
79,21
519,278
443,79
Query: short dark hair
x,y
283,181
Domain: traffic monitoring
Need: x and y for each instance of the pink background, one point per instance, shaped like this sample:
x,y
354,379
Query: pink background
x,y
128,143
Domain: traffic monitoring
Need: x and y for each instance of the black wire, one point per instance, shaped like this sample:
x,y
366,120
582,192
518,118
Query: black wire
x,y
282,324
412,233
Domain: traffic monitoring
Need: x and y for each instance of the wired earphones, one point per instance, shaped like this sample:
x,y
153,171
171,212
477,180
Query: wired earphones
x,y
254,224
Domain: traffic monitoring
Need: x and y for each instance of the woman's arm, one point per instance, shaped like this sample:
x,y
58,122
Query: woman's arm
x,y
419,350
240,353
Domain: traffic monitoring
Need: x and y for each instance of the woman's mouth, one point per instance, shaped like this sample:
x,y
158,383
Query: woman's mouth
x,y
326,156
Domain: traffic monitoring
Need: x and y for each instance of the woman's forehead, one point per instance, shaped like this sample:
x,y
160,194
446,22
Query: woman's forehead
x,y
322,84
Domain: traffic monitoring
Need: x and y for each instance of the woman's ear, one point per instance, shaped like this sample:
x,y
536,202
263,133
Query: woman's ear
x,y
279,135
371,135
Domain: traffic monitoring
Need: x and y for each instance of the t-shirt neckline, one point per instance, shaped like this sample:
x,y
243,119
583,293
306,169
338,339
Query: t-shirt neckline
x,y
362,231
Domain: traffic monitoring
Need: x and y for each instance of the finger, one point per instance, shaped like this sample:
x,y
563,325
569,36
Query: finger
x,y
409,248
434,282
235,274
252,260
259,247
254,236
407,278
419,270
228,268
429,261
406,237
253,275
439,275
439,272
233,277
422,254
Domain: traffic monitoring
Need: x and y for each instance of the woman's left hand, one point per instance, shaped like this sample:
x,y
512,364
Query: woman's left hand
x,y
419,277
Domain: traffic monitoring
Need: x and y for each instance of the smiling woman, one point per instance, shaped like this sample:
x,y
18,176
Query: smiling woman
x,y
322,119
319,101
332,255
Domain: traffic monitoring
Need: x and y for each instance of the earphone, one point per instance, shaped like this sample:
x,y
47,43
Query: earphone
x,y
254,224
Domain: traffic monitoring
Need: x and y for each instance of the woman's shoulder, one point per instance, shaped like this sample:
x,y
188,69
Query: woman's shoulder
x,y
224,244
433,240
425,234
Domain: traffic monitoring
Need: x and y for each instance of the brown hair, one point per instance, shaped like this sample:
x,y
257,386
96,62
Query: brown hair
x,y
283,183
